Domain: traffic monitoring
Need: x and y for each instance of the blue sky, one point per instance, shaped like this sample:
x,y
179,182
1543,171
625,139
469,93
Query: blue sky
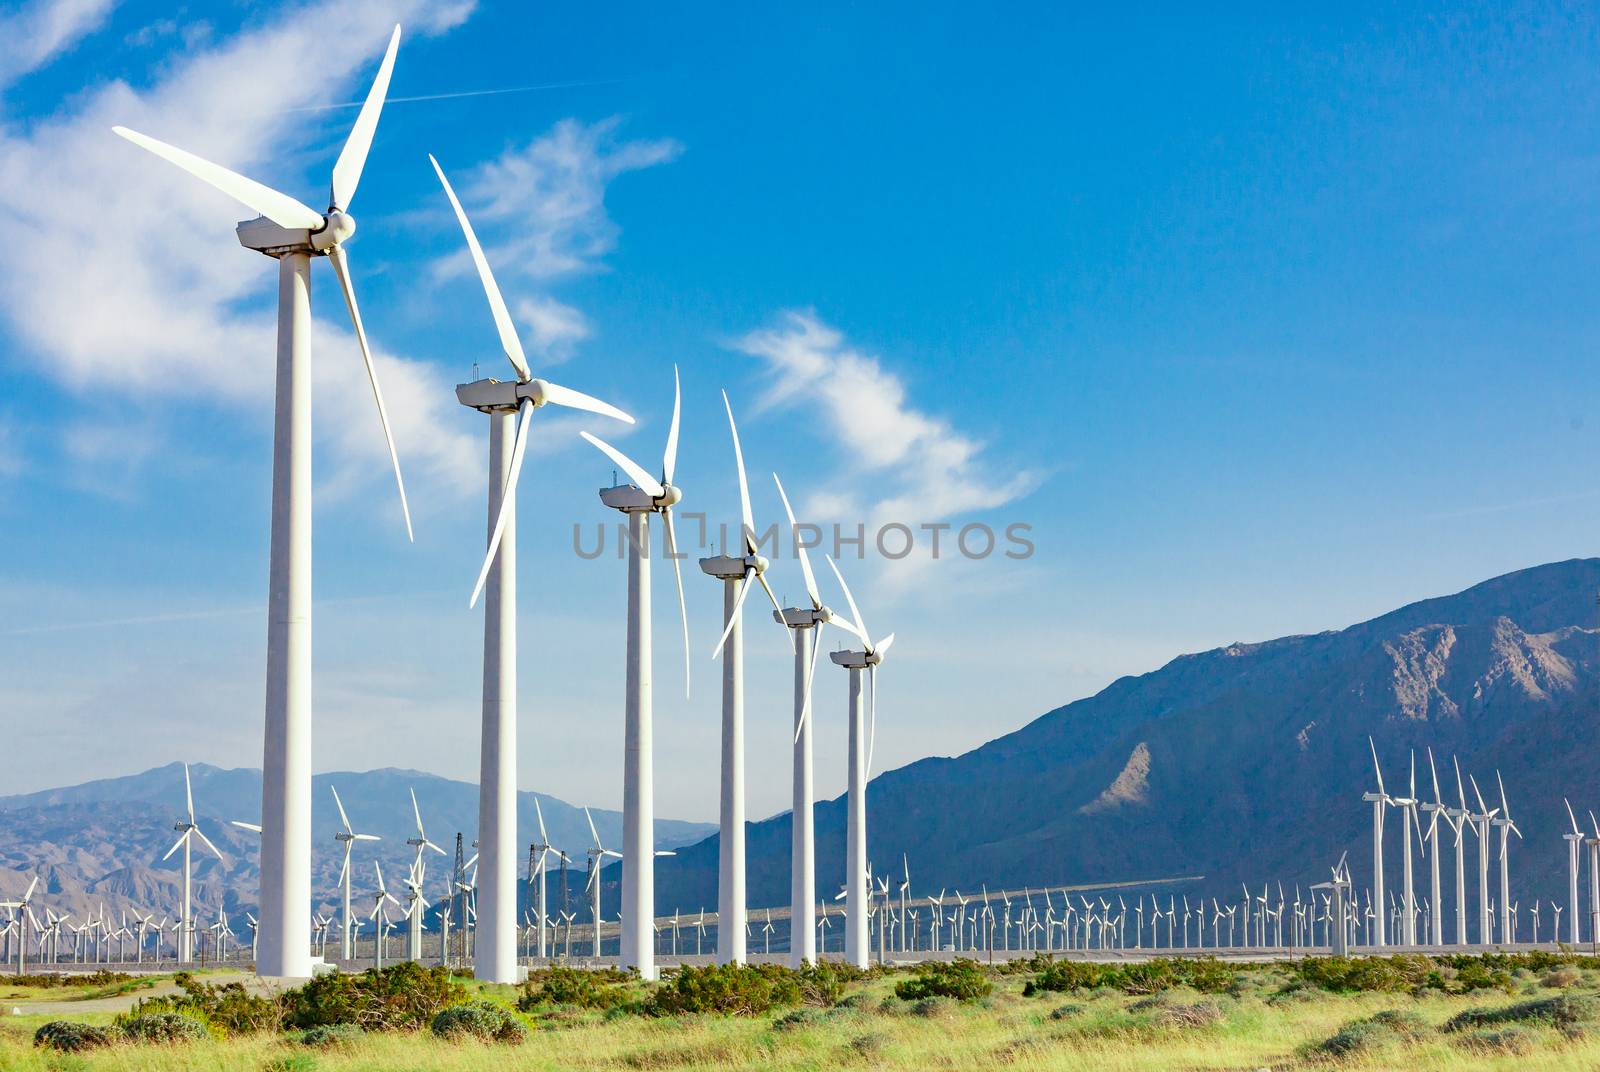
x,y
1265,323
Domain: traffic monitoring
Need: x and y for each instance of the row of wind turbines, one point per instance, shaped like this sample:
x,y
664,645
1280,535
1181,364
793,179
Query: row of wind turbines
x,y
293,234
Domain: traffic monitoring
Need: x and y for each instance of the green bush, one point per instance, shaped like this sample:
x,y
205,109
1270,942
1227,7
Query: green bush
x,y
1205,974
558,985
59,979
331,1036
1513,1040
732,989
227,1008
961,979
482,1020
162,1027
402,996
68,1036
1567,1012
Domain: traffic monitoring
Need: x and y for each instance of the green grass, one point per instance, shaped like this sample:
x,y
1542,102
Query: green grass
x,y
1255,1025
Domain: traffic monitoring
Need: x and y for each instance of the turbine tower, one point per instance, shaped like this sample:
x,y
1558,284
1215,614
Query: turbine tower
x,y
293,233
1436,902
414,879
597,858
509,407
1409,823
1379,801
735,572
807,623
1481,821
349,837
858,880
187,831
1460,817
645,496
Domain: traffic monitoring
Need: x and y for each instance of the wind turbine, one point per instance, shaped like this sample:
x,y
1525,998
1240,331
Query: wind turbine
x,y
1482,821
509,407
1437,808
1507,827
645,496
349,837
25,918
597,856
860,761
1574,840
1409,821
1379,801
294,233
1460,817
735,572
1594,880
187,830
380,916
544,849
414,886
807,623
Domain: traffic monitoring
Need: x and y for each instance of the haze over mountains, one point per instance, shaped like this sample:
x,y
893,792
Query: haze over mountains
x,y
1245,764
103,840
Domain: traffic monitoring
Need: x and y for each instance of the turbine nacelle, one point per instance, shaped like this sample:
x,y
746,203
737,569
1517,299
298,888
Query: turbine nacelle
x,y
337,227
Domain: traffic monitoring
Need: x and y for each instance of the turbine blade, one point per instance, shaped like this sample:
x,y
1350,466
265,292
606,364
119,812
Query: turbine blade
x,y
242,825
207,842
353,157
508,493
738,604
677,575
497,304
857,625
344,868
343,818
767,588
1572,817
645,482
744,486
281,209
188,792
592,831
1376,769
669,456
176,845
416,811
367,837
341,268
883,646
557,395
805,561
544,838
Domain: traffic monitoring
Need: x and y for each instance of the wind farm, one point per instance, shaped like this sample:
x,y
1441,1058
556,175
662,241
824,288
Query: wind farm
x,y
1018,429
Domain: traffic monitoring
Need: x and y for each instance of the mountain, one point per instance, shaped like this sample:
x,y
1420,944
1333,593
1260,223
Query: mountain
x,y
1245,763
102,841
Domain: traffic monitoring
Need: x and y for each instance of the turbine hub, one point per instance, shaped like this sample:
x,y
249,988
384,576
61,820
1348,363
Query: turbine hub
x,y
671,495
338,228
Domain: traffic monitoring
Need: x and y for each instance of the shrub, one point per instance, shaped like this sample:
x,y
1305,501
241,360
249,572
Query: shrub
x,y
798,1018
1205,974
162,1027
1514,1040
402,996
59,979
482,1020
1065,1012
68,1036
228,1008
1202,1014
557,985
961,979
331,1036
745,989
1565,1011
1562,977
1373,1032
935,1008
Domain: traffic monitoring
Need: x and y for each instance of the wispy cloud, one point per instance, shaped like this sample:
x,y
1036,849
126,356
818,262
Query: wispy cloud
x,y
901,463
36,33
550,194
131,285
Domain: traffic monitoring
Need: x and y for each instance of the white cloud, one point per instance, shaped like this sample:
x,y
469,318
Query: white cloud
x,y
36,33
552,193
553,327
905,465
133,283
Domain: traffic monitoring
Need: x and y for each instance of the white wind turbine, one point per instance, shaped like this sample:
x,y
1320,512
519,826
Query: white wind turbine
x,y
24,919
807,623
1379,801
862,732
1481,822
1574,841
293,233
381,899
1438,808
348,837
1460,818
597,857
187,830
541,900
644,497
1409,823
1594,879
735,572
414,886
1507,827
509,407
